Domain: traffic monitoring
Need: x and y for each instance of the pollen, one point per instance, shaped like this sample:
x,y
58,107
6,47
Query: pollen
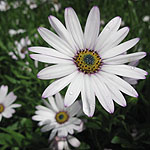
x,y
1,108
87,61
61,117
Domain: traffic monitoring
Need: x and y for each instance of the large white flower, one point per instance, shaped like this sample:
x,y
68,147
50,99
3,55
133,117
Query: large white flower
x,y
59,119
6,106
90,62
62,143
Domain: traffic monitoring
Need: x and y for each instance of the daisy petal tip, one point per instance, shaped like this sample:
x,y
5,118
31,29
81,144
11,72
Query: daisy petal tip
x,y
43,96
29,49
31,56
124,105
68,8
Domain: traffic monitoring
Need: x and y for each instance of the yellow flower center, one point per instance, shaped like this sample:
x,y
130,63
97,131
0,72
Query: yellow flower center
x,y
88,61
61,117
1,108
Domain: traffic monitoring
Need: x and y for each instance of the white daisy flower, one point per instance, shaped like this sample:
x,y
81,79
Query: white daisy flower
x,y
22,47
59,119
61,143
90,62
6,106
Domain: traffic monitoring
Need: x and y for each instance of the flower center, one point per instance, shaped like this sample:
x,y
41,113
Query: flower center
x,y
88,61
1,108
61,117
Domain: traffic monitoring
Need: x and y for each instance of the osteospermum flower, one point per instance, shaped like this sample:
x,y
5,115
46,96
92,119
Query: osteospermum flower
x,y
59,119
91,62
60,143
6,106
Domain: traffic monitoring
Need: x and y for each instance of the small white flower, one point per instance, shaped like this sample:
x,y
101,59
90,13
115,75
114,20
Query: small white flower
x,y
90,63
6,106
61,143
59,119
146,19
4,6
22,47
13,32
31,4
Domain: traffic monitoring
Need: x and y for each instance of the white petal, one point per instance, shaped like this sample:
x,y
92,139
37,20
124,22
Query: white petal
x,y
114,39
120,84
48,51
88,97
115,93
112,26
7,114
125,70
47,127
125,58
73,90
10,98
61,145
58,85
74,27
131,81
59,101
62,32
56,71
49,59
74,108
3,92
53,103
119,49
63,132
53,133
0,117
74,141
55,41
103,94
92,28
15,105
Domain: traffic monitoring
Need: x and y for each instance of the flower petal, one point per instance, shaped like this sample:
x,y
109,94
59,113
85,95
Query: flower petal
x,y
62,32
47,127
73,141
10,98
125,70
103,94
125,58
112,26
74,27
53,103
119,49
56,71
59,101
120,84
58,85
49,59
73,90
49,51
92,28
55,41
74,108
115,93
3,92
114,39
88,97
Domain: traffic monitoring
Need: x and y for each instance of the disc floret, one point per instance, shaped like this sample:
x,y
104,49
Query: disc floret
x,y
87,61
